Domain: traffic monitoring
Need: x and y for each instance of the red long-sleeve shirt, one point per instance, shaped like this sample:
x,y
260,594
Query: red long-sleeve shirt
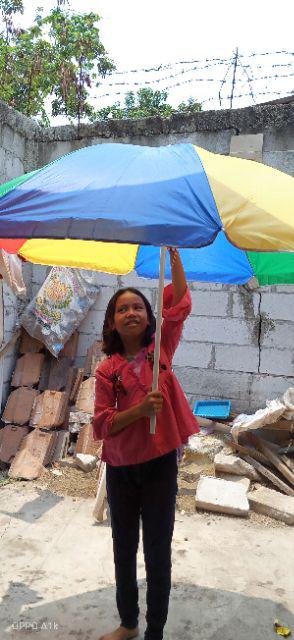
x,y
121,384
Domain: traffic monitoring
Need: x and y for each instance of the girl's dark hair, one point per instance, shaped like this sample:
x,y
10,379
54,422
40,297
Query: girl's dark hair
x,y
111,339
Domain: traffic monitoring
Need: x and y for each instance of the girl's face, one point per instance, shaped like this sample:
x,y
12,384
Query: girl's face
x,y
130,315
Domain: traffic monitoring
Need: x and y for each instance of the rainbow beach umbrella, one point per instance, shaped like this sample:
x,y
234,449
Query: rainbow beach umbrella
x,y
109,207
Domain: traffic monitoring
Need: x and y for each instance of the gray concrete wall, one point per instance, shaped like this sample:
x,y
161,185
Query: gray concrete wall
x,y
237,343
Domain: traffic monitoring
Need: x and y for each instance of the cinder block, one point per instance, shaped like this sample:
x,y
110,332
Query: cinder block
x,y
235,358
278,306
188,355
132,280
103,298
277,334
215,384
206,303
215,494
279,139
39,274
248,146
219,330
273,504
245,304
277,361
282,160
93,323
267,387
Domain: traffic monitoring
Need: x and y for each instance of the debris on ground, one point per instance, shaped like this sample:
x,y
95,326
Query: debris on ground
x,y
47,438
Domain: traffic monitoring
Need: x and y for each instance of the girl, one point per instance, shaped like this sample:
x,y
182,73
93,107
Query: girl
x,y
141,471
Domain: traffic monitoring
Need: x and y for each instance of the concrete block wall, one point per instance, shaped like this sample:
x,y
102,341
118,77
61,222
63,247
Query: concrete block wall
x,y
237,343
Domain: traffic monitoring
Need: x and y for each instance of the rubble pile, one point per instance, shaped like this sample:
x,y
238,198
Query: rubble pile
x,y
49,409
257,455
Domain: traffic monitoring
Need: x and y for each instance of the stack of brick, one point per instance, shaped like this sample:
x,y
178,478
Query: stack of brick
x,y
45,391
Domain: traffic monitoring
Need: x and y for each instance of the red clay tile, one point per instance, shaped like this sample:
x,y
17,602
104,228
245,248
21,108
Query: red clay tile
x,y
49,410
29,344
19,405
12,436
85,398
86,443
70,347
28,370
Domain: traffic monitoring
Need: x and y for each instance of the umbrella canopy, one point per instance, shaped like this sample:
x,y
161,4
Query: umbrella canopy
x,y
76,210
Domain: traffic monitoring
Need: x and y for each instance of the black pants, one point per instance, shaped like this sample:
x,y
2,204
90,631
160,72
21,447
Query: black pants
x,y
147,490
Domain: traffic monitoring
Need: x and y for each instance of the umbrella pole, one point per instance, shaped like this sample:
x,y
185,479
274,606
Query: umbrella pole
x,y
158,331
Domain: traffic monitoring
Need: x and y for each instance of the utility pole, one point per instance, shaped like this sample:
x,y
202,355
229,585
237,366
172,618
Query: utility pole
x,y
234,77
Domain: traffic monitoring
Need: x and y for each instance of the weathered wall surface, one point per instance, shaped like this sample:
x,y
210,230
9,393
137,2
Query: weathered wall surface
x,y
237,343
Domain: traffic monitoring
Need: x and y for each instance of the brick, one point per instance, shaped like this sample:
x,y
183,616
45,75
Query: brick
x,y
11,438
19,406
85,342
273,504
29,344
28,370
48,410
215,494
40,444
86,395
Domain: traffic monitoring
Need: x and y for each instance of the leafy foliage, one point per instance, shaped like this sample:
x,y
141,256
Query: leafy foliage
x,y
55,62
51,67
146,102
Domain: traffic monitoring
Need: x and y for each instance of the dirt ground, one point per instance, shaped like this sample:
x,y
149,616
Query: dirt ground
x,y
76,483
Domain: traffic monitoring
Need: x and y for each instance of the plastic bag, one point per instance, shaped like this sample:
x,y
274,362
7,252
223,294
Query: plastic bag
x,y
60,305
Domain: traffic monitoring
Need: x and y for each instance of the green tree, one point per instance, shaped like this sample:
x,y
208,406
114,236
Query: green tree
x,y
56,61
146,102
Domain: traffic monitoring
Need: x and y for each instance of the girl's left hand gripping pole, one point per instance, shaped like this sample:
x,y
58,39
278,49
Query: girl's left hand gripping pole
x,y
158,331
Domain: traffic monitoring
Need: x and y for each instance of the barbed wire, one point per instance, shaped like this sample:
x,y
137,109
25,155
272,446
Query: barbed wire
x,y
240,70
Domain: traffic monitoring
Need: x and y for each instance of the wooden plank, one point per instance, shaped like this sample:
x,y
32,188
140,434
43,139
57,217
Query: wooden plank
x,y
247,451
218,427
274,459
270,476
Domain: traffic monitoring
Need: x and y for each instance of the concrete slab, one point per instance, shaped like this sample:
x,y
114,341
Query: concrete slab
x,y
231,577
234,464
273,504
215,494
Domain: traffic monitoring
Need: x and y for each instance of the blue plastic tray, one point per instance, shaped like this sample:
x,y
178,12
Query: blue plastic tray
x,y
212,408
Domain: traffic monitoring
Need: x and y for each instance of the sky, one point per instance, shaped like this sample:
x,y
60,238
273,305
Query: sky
x,y
156,32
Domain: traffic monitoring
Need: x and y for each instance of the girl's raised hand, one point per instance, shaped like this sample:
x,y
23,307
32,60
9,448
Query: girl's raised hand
x,y
151,404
